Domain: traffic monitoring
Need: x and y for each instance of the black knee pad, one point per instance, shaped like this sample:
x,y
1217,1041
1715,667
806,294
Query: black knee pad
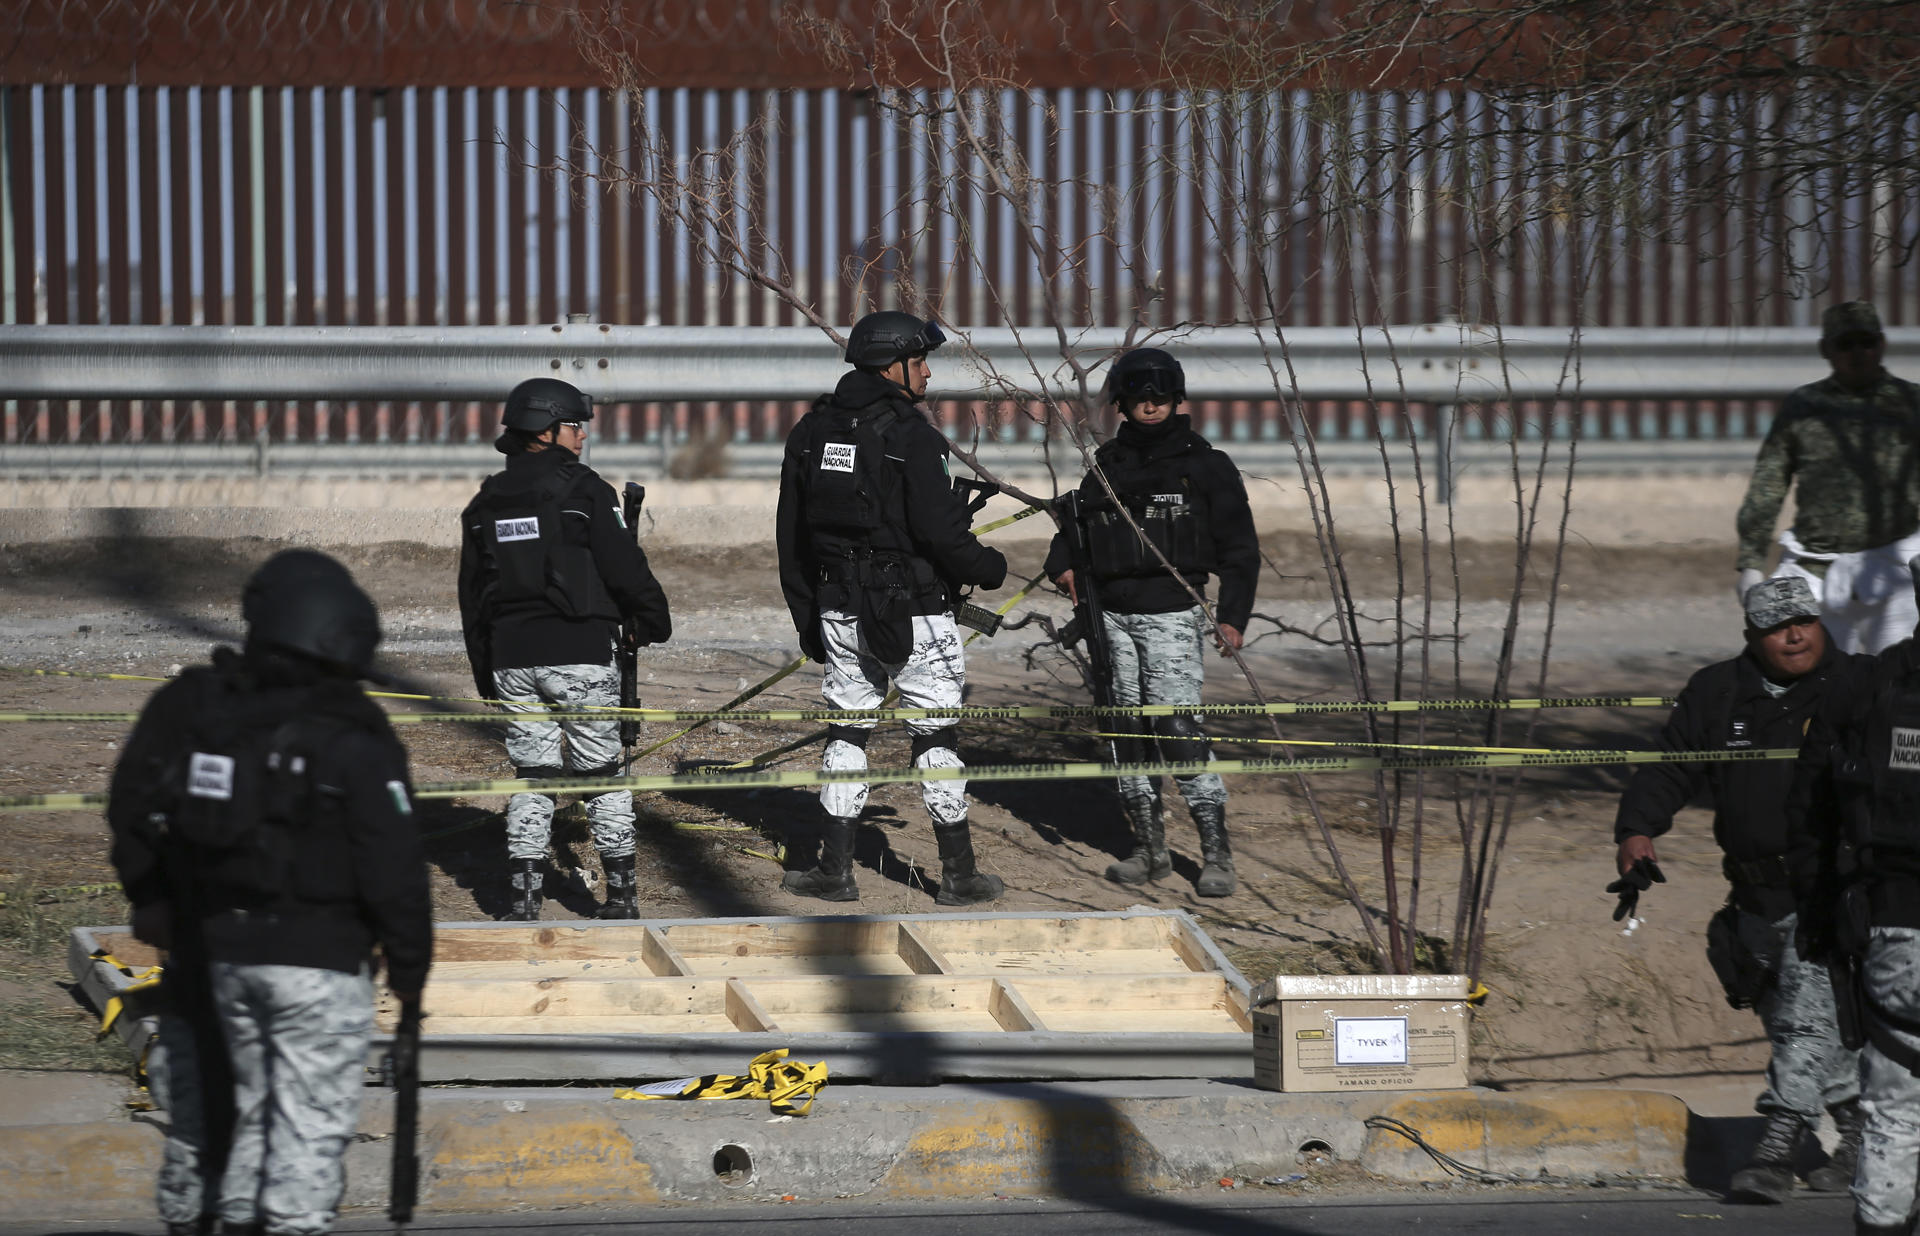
x,y
856,735
1181,739
947,736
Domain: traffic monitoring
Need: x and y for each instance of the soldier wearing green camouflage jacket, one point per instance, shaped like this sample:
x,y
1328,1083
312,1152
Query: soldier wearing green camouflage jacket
x,y
1849,446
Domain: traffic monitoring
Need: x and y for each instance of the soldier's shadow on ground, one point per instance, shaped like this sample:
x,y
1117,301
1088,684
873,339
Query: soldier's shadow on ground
x,y
1083,812
793,818
469,844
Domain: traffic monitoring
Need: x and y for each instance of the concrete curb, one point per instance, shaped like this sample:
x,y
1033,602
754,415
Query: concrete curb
x,y
499,1149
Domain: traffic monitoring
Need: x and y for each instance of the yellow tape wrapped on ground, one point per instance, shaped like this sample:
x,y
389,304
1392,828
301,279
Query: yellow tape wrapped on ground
x,y
143,980
788,1086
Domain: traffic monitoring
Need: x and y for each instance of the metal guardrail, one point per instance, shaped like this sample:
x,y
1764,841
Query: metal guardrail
x,y
1442,363
761,460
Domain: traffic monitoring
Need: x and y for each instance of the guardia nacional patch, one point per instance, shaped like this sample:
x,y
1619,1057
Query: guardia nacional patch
x,y
1905,753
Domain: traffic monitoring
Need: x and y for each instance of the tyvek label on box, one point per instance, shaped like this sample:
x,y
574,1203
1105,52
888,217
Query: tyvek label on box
x,y
1369,1040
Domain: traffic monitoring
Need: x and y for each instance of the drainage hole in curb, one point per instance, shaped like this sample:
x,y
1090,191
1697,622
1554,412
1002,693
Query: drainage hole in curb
x,y
1314,1153
733,1165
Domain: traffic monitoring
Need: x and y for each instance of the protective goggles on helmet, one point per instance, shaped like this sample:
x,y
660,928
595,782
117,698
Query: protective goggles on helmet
x,y
1156,382
929,338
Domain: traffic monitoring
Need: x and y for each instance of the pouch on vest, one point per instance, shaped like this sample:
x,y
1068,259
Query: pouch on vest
x,y
1743,977
243,794
886,608
848,480
1171,523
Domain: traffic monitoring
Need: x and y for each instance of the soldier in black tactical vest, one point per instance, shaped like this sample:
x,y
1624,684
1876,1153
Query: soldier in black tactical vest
x,y
548,569
1764,698
263,829
874,548
1854,846
1184,499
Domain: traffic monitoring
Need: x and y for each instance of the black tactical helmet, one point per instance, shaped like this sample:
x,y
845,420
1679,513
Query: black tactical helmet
x,y
879,339
538,404
304,602
1145,373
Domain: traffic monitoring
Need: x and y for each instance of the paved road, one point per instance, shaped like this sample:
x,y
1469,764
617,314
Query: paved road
x,y
1589,1213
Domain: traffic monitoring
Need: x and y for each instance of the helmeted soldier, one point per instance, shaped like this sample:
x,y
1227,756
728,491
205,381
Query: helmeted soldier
x,y
548,569
1181,504
1854,847
262,827
1763,698
874,546
1849,448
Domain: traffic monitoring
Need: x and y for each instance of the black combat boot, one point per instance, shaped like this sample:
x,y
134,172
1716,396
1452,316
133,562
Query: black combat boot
x,y
527,880
1768,1175
1216,871
623,897
960,883
1149,860
1836,1174
832,880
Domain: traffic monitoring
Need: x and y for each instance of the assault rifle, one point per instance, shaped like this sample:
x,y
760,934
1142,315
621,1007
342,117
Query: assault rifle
x,y
403,1072
628,658
1089,620
965,612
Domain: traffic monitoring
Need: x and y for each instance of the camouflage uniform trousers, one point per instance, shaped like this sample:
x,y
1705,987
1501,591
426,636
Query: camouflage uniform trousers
x,y
1809,1070
593,745
1160,659
1883,1187
934,675
297,1037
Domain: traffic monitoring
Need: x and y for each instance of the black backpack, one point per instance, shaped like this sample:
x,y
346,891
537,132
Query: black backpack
x,y
242,797
851,489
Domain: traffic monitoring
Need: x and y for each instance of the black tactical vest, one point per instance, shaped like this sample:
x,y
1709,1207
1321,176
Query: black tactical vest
x,y
1886,773
851,491
242,796
521,533
1166,499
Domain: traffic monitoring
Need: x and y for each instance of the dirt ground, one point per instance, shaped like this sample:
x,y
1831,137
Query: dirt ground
x,y
1574,997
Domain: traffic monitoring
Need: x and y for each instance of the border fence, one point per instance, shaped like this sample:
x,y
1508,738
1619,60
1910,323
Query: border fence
x,y
451,206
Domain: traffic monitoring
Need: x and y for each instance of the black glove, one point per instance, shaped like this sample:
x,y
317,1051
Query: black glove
x,y
1643,875
814,648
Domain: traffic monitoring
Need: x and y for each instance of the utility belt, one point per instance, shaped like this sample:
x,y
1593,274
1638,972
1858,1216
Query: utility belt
x,y
1770,871
879,570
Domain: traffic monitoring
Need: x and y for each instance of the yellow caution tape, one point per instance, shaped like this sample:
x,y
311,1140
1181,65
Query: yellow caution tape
x,y
47,673
788,1086
1016,517
969,712
1461,757
729,706
1328,742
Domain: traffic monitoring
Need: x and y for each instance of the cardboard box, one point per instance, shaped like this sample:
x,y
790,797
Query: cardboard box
x,y
1361,1032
